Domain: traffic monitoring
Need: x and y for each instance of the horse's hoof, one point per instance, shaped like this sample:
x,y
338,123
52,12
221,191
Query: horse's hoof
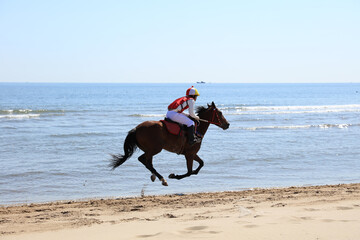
x,y
153,177
172,175
164,183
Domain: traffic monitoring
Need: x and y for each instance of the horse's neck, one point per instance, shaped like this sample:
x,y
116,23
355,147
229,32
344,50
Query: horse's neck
x,y
203,127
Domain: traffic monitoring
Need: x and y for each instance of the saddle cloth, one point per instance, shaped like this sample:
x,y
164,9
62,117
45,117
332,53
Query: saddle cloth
x,y
172,127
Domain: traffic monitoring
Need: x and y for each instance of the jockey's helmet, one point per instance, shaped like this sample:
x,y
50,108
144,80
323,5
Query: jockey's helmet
x,y
192,92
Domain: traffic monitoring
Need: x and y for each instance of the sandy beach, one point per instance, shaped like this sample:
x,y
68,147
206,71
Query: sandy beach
x,y
315,212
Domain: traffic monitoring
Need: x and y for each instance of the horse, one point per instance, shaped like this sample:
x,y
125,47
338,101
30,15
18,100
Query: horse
x,y
152,137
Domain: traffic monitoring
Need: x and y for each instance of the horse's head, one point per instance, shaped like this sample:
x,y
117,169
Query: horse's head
x,y
213,115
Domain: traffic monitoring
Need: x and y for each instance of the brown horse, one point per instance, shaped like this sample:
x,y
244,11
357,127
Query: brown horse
x,y
152,137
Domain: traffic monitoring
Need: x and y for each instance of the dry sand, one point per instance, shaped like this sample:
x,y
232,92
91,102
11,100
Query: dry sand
x,y
317,212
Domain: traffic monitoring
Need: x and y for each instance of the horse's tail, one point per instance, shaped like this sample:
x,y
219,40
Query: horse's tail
x,y
130,146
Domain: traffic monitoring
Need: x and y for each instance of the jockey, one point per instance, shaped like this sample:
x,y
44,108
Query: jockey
x,y
175,113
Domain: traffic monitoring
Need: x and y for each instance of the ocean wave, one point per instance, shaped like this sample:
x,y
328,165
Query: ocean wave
x,y
147,115
341,126
273,110
291,112
27,111
19,116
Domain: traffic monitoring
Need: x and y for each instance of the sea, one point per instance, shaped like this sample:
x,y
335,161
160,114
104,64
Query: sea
x,y
56,139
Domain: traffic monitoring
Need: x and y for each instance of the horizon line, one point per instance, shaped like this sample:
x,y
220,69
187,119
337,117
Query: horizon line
x,y
200,83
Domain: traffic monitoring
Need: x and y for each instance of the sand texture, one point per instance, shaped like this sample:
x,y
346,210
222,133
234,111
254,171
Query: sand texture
x,y
316,212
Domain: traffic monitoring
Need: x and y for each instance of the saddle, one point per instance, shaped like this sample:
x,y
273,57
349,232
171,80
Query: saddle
x,y
176,128
173,127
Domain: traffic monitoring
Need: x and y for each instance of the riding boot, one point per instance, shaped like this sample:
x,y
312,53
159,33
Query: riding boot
x,y
192,139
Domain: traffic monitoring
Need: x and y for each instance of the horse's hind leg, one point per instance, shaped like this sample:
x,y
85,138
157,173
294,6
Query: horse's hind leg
x,y
143,160
147,161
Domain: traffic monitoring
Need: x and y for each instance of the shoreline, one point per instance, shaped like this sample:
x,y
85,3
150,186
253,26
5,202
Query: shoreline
x,y
142,194
283,212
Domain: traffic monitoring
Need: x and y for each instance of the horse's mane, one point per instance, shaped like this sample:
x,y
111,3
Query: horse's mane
x,y
200,110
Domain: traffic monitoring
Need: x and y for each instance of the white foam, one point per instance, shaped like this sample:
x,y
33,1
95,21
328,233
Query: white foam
x,y
279,127
342,126
334,125
20,116
11,111
147,115
272,110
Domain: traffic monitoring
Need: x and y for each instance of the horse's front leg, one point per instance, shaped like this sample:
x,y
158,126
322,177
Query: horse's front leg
x,y
201,164
189,165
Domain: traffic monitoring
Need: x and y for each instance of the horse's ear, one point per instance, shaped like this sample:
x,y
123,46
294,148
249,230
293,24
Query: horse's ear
x,y
208,105
213,104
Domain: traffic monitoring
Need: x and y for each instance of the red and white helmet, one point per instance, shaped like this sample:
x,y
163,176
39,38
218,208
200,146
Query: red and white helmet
x,y
192,92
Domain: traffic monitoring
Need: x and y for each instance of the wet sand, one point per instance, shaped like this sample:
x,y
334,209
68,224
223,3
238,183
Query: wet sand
x,y
315,212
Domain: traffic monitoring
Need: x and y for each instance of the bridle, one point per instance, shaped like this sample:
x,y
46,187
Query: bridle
x,y
215,115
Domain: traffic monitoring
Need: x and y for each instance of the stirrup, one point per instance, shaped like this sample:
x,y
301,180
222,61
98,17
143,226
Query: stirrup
x,y
195,140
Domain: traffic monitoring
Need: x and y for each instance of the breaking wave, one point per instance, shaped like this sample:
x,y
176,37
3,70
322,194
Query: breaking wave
x,y
27,111
269,110
19,114
324,126
147,115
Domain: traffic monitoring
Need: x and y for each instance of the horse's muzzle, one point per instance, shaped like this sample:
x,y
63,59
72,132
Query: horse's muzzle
x,y
225,126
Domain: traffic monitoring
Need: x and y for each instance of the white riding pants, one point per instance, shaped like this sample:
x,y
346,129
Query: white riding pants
x,y
180,118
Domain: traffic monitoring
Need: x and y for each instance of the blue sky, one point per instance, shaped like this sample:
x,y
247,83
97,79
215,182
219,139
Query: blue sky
x,y
180,41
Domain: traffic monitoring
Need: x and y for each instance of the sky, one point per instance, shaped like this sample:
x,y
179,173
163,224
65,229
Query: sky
x,y
183,41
